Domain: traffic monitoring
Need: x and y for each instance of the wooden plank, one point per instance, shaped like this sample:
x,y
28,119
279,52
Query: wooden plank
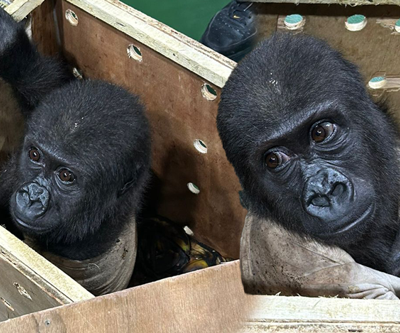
x,y
44,28
323,310
11,122
19,293
19,9
374,49
179,114
183,50
209,300
29,282
299,327
304,314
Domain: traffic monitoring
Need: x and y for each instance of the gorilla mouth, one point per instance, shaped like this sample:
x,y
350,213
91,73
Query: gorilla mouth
x,y
30,227
363,216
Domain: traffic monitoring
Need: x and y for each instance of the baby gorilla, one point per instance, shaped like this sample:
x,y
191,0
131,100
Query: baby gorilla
x,y
75,185
312,151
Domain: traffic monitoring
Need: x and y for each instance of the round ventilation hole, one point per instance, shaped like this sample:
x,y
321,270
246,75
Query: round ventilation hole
x,y
71,17
134,52
193,188
208,92
200,146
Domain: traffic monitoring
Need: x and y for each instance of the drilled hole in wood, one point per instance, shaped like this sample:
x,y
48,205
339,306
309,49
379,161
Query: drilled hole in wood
x,y
193,188
134,52
397,25
377,82
188,231
356,22
22,290
77,73
7,303
71,17
294,21
200,146
208,92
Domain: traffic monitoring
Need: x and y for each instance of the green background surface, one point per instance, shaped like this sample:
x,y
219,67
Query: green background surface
x,y
187,16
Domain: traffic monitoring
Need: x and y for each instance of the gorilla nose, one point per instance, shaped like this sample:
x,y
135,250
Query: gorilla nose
x,y
323,194
327,194
31,201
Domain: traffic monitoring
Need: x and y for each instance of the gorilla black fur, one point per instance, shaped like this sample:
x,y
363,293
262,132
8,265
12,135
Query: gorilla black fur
x,y
311,149
78,178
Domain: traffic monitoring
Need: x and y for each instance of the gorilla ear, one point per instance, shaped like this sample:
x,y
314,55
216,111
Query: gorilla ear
x,y
130,183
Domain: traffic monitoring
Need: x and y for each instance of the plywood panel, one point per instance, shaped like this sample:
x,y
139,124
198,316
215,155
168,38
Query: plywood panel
x,y
29,283
374,49
179,114
209,300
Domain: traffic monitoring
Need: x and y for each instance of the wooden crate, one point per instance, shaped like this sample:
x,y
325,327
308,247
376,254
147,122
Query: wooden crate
x,y
171,75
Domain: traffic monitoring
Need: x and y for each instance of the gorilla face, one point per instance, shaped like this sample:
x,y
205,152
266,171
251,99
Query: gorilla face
x,y
311,150
306,169
84,162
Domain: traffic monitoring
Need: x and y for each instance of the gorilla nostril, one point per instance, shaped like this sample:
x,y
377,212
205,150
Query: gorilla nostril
x,y
320,201
22,199
338,189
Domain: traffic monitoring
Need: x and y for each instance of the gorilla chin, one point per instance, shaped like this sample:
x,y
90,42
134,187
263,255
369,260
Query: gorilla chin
x,y
30,228
348,228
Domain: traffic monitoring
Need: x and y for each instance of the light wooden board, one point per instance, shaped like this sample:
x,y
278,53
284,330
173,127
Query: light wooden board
x,y
301,327
30,283
19,9
304,314
209,300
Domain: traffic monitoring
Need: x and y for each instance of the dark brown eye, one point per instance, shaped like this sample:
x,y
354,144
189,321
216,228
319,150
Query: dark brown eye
x,y
34,154
275,159
322,131
66,175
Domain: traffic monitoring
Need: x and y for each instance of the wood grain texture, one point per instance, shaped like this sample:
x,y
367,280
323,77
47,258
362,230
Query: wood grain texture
x,y
30,283
320,309
374,49
19,9
179,114
209,300
304,314
181,49
44,28
316,327
11,122
23,255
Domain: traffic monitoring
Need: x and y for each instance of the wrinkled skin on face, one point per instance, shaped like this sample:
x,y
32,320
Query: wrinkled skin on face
x,y
311,149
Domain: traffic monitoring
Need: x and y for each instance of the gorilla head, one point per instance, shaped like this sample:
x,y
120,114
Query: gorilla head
x,y
84,163
311,149
76,183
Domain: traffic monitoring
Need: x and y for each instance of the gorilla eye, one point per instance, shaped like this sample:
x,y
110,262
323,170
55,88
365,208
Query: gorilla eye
x,y
34,154
322,131
66,175
275,159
